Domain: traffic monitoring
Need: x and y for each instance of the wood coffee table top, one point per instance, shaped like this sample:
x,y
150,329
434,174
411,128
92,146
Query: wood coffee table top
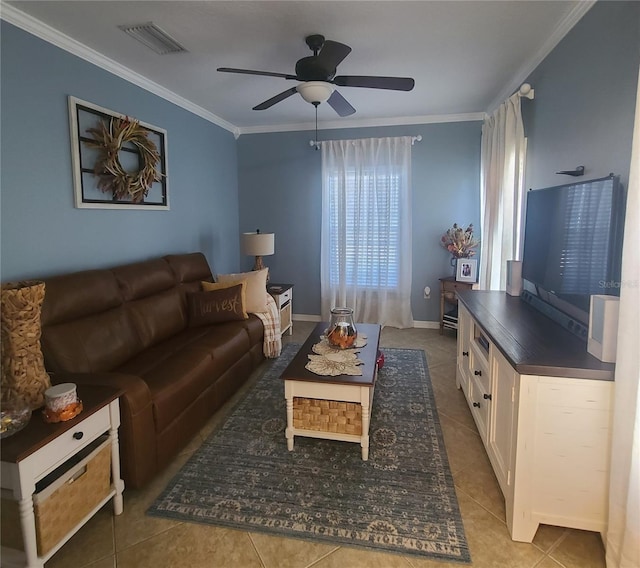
x,y
368,354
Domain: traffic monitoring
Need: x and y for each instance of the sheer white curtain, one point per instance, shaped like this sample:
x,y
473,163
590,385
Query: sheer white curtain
x,y
501,192
366,229
623,535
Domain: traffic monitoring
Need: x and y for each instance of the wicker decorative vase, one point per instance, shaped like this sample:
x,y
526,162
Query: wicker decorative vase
x,y
23,372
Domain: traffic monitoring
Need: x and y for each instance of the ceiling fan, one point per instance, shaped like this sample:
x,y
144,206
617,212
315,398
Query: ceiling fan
x,y
317,73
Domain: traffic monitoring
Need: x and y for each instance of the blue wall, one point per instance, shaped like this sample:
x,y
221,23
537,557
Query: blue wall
x,y
582,114
585,92
280,184
42,232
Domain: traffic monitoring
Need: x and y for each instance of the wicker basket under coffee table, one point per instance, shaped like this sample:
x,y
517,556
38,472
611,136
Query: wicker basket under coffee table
x,y
331,407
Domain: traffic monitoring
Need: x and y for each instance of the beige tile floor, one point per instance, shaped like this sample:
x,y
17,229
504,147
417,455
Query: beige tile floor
x,y
135,540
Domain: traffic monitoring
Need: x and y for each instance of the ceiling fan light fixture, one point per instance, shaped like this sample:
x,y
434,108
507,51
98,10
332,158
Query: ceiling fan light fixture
x,y
315,91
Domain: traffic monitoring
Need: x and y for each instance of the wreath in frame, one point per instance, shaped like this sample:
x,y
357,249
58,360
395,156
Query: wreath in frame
x,y
109,139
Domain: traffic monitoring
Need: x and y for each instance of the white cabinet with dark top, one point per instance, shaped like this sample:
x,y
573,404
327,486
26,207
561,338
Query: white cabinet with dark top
x,y
542,406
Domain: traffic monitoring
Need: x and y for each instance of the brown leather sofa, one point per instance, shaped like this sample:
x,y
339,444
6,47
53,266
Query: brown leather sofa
x,y
128,327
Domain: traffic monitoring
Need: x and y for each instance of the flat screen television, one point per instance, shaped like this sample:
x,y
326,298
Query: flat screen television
x,y
573,243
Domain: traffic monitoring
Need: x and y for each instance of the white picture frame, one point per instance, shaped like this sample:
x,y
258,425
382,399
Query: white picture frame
x,y
466,270
83,114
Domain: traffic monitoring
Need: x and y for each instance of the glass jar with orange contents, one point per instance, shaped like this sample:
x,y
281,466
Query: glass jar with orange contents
x,y
342,332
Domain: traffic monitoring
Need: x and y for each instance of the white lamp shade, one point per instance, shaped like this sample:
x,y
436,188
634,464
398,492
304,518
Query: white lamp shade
x,y
315,91
258,244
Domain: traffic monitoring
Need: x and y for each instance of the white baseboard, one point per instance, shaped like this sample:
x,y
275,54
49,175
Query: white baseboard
x,y
416,323
305,317
426,324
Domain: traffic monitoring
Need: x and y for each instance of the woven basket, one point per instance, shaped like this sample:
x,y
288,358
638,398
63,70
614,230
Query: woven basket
x,y
72,501
23,372
327,416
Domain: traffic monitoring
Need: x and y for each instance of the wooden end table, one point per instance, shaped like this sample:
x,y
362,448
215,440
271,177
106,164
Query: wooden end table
x,y
40,448
449,287
283,296
303,384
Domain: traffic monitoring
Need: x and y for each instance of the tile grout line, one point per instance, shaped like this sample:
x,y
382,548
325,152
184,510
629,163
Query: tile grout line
x,y
472,430
482,506
315,562
262,562
178,523
555,545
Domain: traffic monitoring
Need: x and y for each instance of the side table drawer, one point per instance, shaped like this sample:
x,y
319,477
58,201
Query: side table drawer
x,y
285,297
66,445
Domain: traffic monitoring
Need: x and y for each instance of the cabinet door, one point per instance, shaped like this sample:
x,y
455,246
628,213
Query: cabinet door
x,y
479,394
463,364
502,423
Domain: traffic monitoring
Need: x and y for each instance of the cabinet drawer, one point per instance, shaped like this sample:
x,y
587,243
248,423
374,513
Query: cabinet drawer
x,y
479,370
65,445
479,406
453,285
285,297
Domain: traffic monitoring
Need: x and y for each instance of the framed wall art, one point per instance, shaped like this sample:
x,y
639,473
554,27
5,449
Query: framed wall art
x,y
118,162
467,270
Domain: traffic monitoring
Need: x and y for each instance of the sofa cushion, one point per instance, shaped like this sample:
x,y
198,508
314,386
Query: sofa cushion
x,y
217,306
158,317
179,381
191,267
256,293
178,375
143,279
97,343
80,294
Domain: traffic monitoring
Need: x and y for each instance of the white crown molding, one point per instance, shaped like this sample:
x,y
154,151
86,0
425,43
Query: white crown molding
x,y
51,35
364,123
561,30
57,38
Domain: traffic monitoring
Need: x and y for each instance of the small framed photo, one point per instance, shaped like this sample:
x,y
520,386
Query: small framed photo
x,y
467,270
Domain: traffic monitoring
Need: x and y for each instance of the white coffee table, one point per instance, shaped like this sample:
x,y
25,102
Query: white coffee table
x,y
340,406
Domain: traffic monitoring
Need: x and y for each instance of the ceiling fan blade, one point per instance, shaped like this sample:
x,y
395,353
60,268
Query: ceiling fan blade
x,y
338,103
273,100
392,83
332,53
251,72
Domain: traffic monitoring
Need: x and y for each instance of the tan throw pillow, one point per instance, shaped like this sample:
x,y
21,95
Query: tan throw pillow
x,y
216,306
256,293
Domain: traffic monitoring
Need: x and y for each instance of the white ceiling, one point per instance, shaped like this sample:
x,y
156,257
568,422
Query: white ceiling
x,y
465,56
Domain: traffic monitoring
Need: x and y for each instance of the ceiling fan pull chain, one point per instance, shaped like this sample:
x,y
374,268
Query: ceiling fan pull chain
x,y
317,144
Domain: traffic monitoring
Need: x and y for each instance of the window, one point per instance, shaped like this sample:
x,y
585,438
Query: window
x,y
365,229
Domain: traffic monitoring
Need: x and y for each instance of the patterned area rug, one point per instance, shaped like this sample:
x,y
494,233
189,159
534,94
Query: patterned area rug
x,y
401,500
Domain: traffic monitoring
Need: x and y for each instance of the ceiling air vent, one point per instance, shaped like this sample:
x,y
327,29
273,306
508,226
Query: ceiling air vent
x,y
154,38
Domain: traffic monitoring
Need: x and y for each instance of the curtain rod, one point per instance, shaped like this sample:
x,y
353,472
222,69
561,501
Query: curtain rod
x,y
316,144
526,91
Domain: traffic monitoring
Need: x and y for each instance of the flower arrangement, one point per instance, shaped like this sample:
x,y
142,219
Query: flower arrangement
x,y
460,242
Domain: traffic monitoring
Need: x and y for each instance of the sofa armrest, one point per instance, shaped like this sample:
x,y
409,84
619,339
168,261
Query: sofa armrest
x,y
138,450
136,391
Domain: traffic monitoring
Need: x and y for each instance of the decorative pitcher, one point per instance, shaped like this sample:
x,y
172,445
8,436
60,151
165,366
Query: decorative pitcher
x,y
342,331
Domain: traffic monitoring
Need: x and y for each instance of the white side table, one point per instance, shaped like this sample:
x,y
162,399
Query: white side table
x,y
283,295
37,450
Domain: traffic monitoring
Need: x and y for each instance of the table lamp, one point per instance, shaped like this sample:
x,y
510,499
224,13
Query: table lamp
x,y
258,244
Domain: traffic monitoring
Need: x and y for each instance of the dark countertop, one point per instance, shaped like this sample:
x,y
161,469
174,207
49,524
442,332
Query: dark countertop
x,y
368,354
531,342
38,433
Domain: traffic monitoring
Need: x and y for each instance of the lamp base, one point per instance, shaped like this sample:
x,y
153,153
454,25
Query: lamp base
x,y
259,265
